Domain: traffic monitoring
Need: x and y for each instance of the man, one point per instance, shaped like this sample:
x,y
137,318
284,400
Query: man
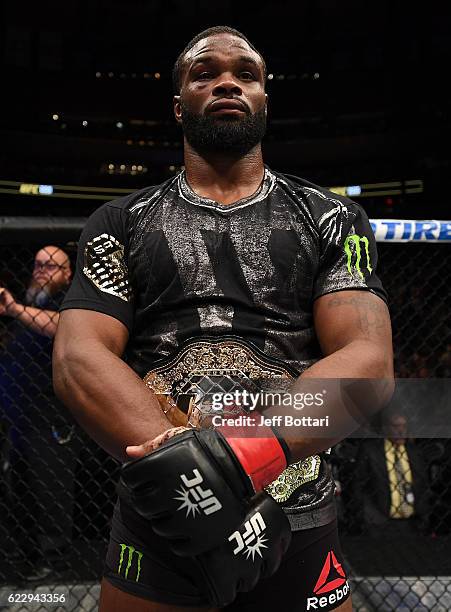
x,y
228,271
51,276
42,455
398,497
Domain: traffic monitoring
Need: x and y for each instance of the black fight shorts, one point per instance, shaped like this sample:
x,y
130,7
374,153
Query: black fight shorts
x,y
311,576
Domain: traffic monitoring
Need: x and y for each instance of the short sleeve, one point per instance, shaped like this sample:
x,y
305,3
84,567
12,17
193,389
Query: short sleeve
x,y
348,257
101,281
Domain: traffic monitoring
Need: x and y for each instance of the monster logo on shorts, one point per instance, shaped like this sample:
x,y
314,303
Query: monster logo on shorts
x,y
354,255
130,550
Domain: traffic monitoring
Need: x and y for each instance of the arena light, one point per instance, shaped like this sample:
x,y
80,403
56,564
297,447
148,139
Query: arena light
x,y
45,189
65,191
369,190
353,190
34,189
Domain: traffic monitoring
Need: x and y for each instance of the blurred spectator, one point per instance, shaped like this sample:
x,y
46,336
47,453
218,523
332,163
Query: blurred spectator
x,y
43,440
51,275
424,372
403,371
391,484
439,455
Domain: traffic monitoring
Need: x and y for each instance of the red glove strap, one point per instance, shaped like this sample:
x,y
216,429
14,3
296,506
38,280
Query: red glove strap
x,y
262,457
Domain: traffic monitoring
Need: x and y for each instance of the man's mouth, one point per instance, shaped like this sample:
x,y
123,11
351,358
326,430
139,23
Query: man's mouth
x,y
227,107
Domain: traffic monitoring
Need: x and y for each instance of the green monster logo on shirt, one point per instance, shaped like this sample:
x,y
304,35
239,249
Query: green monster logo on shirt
x,y
130,554
357,251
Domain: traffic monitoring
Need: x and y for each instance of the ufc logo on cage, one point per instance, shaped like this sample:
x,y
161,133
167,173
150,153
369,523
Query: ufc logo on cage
x,y
252,540
195,498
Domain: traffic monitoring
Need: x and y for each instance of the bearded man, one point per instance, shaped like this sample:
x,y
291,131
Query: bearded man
x,y
228,275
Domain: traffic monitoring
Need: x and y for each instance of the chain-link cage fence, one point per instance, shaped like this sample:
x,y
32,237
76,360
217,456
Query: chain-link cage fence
x,y
393,491
57,487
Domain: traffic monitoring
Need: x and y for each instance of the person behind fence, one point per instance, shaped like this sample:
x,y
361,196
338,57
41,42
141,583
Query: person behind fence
x,y
227,275
41,432
391,481
441,489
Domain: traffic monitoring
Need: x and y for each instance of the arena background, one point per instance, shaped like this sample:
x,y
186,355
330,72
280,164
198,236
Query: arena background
x,y
358,103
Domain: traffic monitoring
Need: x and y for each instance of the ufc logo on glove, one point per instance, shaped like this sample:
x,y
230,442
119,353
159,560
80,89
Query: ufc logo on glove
x,y
250,542
203,498
195,465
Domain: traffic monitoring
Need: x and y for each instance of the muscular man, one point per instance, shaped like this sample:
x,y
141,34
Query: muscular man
x,y
228,271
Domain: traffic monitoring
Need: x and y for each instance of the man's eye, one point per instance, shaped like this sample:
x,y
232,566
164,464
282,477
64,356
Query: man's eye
x,y
247,75
204,75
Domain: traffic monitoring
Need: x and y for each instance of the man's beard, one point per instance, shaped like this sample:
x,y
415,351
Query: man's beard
x,y
37,295
210,134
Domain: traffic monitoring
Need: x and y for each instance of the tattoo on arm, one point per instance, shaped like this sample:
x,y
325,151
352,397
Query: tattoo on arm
x,y
369,315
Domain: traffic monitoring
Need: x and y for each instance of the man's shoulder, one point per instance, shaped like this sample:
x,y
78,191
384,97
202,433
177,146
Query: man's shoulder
x,y
316,197
138,199
371,446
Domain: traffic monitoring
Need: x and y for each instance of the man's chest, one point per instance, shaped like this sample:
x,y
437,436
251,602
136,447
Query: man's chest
x,y
252,258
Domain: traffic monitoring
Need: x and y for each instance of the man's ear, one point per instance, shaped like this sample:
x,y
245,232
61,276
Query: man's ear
x,y
177,109
266,104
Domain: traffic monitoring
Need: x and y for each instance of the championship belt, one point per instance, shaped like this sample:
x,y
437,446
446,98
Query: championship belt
x,y
186,385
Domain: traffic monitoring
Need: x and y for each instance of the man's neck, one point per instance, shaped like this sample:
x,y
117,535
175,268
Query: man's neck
x,y
224,179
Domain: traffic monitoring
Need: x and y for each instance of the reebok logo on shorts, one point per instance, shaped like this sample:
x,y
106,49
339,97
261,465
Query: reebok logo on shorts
x,y
331,585
196,499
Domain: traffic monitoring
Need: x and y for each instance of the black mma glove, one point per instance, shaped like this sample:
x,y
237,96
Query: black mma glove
x,y
253,551
196,487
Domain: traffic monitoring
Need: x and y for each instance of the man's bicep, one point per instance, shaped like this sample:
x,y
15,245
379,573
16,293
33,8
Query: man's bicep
x,y
78,326
345,316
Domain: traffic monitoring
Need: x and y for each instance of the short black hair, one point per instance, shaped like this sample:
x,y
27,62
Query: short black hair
x,y
178,66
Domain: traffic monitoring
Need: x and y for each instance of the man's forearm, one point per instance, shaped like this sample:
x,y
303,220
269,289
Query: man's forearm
x,y
44,322
107,398
354,383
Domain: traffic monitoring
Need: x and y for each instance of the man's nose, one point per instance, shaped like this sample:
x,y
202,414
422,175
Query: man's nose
x,y
226,87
